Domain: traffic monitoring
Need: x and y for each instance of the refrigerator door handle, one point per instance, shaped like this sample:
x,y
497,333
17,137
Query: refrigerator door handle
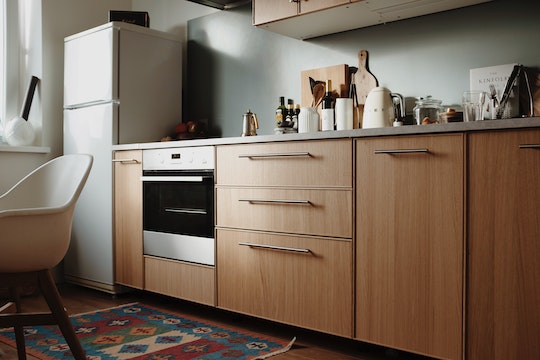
x,y
90,103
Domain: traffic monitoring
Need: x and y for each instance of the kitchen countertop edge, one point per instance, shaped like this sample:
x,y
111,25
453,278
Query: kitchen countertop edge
x,y
521,123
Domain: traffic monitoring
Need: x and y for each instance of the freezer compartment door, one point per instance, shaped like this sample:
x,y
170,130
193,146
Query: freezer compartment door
x,y
91,68
90,130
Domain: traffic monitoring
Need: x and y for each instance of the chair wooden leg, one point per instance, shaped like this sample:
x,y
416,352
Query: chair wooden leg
x,y
18,329
51,295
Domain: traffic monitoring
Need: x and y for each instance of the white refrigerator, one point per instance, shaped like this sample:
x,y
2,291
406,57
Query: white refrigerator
x,y
122,85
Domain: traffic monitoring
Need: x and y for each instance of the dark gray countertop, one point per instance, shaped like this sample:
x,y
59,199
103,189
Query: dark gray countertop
x,y
486,125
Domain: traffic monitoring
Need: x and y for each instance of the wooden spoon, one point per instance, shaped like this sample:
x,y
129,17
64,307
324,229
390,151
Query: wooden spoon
x,y
318,94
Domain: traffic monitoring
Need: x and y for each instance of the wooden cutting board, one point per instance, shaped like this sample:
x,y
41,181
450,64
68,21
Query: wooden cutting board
x,y
365,82
339,74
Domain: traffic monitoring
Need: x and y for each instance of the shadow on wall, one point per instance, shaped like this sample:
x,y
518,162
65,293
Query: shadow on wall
x,y
200,77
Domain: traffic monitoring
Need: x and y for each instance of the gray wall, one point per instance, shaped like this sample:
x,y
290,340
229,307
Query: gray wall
x,y
233,66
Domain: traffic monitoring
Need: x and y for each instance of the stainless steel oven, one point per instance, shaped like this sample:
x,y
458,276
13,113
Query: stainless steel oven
x,y
178,203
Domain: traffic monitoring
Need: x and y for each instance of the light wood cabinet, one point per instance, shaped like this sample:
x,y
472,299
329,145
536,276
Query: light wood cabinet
x,y
300,280
307,6
284,232
128,213
270,10
298,211
321,164
409,243
503,230
305,19
265,11
181,280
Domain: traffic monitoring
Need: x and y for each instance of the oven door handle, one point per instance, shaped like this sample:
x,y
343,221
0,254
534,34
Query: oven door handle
x,y
175,178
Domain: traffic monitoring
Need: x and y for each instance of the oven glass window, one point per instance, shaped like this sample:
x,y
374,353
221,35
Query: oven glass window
x,y
179,207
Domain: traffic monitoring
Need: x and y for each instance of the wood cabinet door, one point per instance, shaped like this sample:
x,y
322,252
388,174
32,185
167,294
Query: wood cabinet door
x,y
307,6
128,228
503,292
265,11
299,280
409,243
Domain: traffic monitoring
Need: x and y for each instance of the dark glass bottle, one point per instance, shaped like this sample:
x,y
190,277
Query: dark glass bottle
x,y
290,113
281,112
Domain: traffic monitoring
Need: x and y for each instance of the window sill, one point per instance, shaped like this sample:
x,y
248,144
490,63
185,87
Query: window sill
x,y
25,149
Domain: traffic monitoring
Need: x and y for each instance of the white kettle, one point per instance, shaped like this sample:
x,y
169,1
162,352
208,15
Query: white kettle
x,y
380,108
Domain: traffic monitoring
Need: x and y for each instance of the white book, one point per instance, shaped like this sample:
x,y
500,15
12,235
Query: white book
x,y
492,80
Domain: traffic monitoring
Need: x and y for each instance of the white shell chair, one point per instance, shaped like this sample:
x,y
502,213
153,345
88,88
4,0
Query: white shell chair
x,y
35,229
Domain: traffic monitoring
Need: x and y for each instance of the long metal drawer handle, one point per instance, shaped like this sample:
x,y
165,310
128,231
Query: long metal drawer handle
x,y
529,146
173,178
186,211
123,161
276,201
401,151
262,156
271,247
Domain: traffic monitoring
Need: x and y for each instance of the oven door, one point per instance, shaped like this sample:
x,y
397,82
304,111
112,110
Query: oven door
x,y
178,215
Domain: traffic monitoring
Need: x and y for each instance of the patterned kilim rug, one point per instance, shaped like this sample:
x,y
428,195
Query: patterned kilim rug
x,y
137,331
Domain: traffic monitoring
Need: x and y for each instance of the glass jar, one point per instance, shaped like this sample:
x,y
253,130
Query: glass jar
x,y
427,107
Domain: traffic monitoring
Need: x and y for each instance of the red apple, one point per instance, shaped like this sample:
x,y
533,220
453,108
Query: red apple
x,y
180,128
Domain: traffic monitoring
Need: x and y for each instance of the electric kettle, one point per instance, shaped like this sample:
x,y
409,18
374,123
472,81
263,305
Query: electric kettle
x,y
250,124
380,109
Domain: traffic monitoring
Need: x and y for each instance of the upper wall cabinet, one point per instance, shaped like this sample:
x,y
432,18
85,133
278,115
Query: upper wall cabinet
x,y
304,19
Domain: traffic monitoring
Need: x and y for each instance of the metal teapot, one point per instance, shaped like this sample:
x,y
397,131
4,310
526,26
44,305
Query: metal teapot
x,y
250,124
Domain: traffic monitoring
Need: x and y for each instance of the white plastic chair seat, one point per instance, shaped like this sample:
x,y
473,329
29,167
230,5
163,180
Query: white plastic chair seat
x,y
36,214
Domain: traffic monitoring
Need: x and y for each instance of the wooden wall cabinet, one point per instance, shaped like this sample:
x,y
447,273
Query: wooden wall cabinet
x,y
284,232
409,243
304,19
271,10
503,230
128,213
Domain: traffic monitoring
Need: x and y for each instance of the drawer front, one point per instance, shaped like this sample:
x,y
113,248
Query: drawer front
x,y
181,280
299,211
304,281
325,163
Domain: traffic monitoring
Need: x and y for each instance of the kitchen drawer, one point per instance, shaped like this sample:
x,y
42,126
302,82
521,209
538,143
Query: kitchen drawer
x,y
325,163
181,280
299,280
301,211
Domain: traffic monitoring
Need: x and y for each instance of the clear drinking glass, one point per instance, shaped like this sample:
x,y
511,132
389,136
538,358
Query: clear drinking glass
x,y
473,105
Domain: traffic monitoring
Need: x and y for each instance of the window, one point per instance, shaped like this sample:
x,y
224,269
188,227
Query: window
x,y
20,56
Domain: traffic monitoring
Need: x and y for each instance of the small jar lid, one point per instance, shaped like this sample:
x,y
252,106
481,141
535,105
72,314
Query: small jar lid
x,y
427,101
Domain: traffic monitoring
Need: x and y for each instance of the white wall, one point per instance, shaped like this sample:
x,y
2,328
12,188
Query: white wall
x,y
61,18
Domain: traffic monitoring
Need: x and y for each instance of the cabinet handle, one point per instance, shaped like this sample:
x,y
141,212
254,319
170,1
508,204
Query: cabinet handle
x,y
186,211
273,155
529,146
263,201
271,247
401,151
126,161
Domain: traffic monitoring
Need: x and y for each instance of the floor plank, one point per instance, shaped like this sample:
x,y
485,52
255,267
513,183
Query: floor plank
x,y
310,345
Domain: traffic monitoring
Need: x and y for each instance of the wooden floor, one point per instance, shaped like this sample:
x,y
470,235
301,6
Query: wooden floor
x,y
309,345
